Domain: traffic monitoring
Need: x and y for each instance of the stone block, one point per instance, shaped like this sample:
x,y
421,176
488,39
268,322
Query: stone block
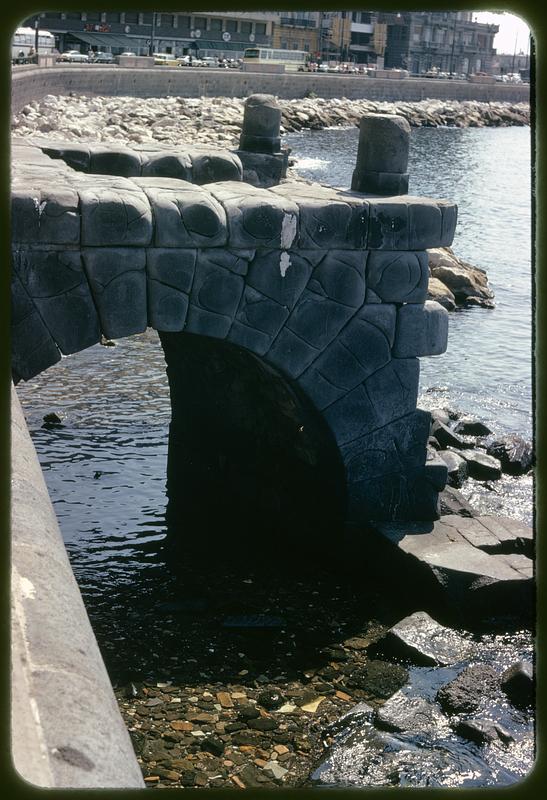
x,y
382,183
340,276
424,224
388,225
262,169
398,276
258,314
33,349
115,217
170,273
187,217
317,319
167,165
117,277
77,156
261,124
215,296
384,141
56,281
47,215
449,213
291,354
210,165
282,275
257,217
114,160
389,393
396,496
422,330
363,347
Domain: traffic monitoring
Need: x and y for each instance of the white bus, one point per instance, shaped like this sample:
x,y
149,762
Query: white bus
x,y
24,41
291,59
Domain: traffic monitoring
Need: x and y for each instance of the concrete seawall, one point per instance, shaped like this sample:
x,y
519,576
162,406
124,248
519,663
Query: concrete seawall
x,y
30,84
66,728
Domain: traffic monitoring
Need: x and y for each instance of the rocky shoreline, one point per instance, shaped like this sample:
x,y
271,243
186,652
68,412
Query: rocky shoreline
x,y
218,120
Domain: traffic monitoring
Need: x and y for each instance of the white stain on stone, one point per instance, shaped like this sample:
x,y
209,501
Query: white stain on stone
x,y
288,230
27,588
284,264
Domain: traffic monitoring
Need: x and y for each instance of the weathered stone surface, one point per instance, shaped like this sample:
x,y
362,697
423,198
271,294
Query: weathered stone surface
x,y
119,160
398,277
482,731
169,273
209,165
363,347
514,454
518,684
421,640
389,393
422,330
402,713
257,218
457,468
75,155
378,678
471,427
446,437
463,280
453,502
474,583
384,141
480,466
115,217
33,349
261,123
262,169
168,165
215,296
465,694
47,215
508,536
117,279
56,281
187,216
441,294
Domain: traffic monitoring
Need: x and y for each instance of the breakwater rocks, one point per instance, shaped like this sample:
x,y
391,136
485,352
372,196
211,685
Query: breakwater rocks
x,y
218,120
454,283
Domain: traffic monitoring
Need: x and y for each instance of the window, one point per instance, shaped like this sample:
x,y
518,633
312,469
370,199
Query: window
x,y
147,18
231,25
112,17
183,21
215,24
295,46
130,18
93,16
260,28
200,22
167,20
284,44
245,27
73,15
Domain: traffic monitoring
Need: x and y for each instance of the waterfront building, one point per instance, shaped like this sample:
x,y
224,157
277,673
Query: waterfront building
x,y
223,34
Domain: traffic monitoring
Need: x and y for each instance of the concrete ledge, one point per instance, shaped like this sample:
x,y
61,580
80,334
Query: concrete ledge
x,y
66,729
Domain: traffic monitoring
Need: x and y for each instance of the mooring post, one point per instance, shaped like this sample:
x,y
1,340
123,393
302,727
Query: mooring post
x,y
261,122
382,155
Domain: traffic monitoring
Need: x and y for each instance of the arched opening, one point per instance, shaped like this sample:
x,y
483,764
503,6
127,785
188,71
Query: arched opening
x,y
251,461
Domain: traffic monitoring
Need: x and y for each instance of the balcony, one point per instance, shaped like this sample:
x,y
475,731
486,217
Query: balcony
x,y
297,22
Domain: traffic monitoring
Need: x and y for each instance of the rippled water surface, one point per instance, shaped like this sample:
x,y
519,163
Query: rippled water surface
x,y
105,466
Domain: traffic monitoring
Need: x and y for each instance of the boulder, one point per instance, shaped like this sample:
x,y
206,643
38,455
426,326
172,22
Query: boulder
x,y
457,468
482,731
461,278
518,684
472,427
380,679
481,466
436,290
446,436
453,502
465,694
401,713
514,453
420,640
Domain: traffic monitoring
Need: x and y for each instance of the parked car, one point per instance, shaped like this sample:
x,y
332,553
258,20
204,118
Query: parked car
x,y
166,59
103,58
73,56
209,61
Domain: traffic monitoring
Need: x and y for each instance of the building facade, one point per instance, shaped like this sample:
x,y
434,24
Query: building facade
x,y
200,33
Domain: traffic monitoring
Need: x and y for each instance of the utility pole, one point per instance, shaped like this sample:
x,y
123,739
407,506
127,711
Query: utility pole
x,y
514,54
152,34
36,31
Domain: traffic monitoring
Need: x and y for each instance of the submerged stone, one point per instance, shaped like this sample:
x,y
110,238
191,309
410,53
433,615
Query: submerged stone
x,y
421,640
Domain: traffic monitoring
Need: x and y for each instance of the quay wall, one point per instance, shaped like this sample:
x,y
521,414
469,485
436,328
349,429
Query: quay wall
x,y
33,83
66,729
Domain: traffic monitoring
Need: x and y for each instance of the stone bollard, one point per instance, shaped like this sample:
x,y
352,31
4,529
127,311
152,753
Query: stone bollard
x,y
382,155
261,121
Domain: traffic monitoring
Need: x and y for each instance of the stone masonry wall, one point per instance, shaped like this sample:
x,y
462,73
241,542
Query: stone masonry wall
x,y
32,84
327,286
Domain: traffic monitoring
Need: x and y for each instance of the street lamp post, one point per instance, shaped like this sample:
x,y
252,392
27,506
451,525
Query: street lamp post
x,y
36,31
453,45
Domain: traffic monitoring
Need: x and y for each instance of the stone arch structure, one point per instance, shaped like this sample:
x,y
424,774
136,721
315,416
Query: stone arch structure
x,y
327,286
